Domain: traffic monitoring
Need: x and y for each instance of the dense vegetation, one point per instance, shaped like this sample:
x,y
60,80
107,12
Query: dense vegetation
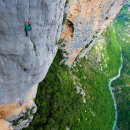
x,y
122,85
57,100
79,98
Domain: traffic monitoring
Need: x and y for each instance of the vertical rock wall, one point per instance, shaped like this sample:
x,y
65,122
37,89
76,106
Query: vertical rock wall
x,y
24,61
86,20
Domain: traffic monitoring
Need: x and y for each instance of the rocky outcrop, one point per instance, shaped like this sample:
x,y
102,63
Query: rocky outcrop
x,y
85,21
24,61
4,125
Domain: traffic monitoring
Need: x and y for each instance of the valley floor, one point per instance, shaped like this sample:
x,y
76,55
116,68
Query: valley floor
x,y
122,85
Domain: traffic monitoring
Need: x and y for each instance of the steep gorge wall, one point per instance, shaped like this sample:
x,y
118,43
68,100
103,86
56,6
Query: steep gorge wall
x,y
24,61
85,21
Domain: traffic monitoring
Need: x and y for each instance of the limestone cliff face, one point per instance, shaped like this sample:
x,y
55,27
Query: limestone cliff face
x,y
86,20
24,61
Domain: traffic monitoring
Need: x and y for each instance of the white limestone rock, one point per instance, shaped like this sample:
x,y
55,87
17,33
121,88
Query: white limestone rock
x,y
24,61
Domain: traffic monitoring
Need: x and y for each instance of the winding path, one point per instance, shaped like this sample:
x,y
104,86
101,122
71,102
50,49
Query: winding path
x,y
112,93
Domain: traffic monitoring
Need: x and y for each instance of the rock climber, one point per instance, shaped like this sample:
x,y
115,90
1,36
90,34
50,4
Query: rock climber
x,y
20,104
28,27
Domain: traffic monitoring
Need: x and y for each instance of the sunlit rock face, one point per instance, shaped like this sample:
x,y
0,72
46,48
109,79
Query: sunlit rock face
x,y
86,20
